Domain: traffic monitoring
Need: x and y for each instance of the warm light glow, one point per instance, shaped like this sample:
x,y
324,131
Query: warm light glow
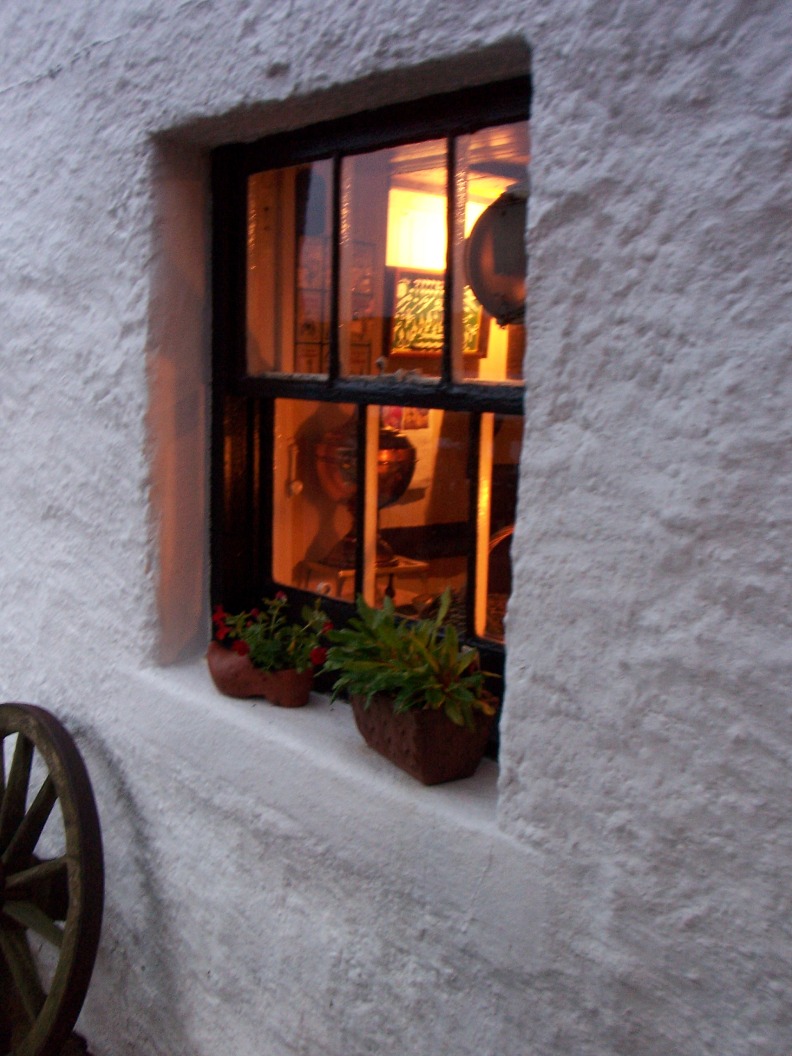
x,y
416,230
417,235
473,211
483,520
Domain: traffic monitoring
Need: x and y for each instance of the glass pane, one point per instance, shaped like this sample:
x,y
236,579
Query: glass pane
x,y
423,533
420,525
288,269
489,259
314,487
501,440
393,258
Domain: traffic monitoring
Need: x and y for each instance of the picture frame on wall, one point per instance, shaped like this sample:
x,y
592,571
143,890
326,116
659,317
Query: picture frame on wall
x,y
415,324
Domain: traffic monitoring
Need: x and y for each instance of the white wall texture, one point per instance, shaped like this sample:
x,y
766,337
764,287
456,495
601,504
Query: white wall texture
x,y
621,886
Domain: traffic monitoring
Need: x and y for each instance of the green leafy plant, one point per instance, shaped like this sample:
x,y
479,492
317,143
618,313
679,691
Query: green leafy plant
x,y
270,639
419,664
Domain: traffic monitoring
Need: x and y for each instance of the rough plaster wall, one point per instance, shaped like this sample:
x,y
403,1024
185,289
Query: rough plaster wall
x,y
261,900
648,727
268,902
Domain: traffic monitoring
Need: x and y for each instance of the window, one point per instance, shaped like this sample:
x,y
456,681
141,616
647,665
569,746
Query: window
x,y
368,345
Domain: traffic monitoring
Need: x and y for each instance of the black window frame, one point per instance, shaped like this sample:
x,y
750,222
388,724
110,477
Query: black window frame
x,y
241,507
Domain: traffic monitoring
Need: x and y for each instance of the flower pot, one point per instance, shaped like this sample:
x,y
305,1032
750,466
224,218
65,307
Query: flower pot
x,y
236,676
426,744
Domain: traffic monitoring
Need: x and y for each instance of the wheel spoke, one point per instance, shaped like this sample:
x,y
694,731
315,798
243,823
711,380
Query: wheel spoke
x,y
30,916
17,955
27,835
45,884
12,810
19,884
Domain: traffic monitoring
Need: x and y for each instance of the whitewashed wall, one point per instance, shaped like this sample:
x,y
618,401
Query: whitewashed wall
x,y
622,887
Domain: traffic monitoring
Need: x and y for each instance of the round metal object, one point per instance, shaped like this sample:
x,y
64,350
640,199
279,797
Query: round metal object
x,y
51,882
495,259
336,463
336,466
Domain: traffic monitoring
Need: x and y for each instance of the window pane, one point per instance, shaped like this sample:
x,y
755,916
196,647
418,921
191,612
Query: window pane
x,y
288,269
314,487
501,439
491,186
423,527
420,520
393,258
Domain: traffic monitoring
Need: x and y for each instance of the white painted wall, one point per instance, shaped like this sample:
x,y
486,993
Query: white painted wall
x,y
623,886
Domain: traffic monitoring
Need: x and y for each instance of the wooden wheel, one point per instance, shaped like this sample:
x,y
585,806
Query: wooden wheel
x,y
51,882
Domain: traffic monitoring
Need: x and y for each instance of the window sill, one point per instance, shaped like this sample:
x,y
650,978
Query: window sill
x,y
319,741
254,776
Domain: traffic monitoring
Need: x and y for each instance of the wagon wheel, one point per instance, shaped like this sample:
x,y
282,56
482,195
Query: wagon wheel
x,y
51,882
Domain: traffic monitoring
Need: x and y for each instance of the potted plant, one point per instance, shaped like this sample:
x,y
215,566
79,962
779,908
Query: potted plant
x,y
262,653
418,696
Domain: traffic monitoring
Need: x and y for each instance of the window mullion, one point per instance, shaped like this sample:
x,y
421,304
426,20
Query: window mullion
x,y
447,373
333,367
486,437
370,496
262,502
365,528
474,459
360,497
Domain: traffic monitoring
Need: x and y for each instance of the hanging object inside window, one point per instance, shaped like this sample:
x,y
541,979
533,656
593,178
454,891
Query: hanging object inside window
x,y
495,258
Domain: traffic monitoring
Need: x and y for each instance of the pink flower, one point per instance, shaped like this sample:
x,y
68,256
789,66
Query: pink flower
x,y
241,647
318,655
327,628
281,596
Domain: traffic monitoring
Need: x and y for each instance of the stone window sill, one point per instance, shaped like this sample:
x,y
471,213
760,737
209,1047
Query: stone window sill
x,y
305,775
253,745
232,792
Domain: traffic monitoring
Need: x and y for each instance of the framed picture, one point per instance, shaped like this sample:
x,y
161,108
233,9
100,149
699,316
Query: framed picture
x,y
416,321
391,417
415,418
405,417
476,325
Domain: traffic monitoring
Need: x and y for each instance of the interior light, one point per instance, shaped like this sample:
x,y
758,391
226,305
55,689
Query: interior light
x,y
416,230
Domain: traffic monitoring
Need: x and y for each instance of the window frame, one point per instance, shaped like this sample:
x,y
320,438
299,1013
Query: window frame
x,y
243,405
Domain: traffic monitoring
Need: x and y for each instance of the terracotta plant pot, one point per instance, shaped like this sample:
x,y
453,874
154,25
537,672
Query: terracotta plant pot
x,y
426,744
236,676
